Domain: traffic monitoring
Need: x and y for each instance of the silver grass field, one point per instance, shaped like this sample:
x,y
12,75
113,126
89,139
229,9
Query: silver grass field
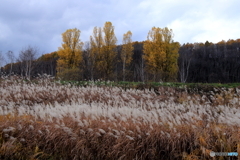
x,y
44,119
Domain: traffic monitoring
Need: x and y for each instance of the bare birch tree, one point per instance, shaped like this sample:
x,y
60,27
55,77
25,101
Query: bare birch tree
x,y
185,59
1,62
11,59
27,56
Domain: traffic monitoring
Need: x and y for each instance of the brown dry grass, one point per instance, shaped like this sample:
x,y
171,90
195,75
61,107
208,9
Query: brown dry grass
x,y
44,140
86,135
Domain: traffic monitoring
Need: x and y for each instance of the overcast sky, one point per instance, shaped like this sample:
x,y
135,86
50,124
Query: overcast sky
x,y
40,23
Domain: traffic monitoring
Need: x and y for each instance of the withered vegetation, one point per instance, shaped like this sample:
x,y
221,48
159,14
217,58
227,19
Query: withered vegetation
x,y
47,120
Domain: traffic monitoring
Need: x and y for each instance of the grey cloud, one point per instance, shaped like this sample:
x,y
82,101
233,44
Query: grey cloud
x,y
41,23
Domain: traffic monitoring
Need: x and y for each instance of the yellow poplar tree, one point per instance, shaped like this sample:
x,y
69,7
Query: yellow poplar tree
x,y
96,42
161,54
127,51
171,65
70,53
108,52
154,54
171,48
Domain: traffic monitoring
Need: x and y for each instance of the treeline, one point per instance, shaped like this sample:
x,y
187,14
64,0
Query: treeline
x,y
158,58
47,64
101,58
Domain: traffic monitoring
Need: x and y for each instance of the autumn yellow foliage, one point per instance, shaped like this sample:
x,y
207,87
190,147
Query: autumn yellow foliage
x,y
70,53
108,52
96,43
127,51
161,54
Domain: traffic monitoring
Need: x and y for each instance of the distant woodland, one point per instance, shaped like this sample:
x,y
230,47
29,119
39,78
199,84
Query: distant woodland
x,y
158,59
